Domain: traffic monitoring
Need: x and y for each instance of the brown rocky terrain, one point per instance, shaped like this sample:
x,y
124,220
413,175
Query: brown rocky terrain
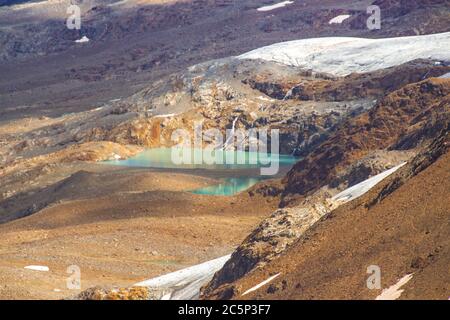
x,y
395,116
322,87
413,17
216,93
362,140
147,71
401,226
48,152
137,42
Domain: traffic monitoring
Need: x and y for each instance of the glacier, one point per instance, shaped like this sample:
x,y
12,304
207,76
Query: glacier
x,y
341,56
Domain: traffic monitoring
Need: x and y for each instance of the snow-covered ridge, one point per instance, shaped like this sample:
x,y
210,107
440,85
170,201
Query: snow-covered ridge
x,y
341,56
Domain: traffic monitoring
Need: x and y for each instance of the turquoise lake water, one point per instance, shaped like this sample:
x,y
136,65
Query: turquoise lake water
x,y
227,161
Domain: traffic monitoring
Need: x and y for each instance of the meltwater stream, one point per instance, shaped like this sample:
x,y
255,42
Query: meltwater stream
x,y
236,178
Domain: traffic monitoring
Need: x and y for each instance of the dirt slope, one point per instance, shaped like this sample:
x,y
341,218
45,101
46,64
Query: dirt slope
x,y
120,227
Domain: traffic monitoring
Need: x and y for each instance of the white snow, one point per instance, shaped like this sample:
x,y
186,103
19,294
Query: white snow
x,y
168,115
260,284
274,6
82,40
185,284
394,292
37,268
118,3
359,189
445,76
166,296
343,55
339,19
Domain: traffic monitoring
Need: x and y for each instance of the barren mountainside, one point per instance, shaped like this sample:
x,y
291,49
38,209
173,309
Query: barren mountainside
x,y
329,261
398,114
88,119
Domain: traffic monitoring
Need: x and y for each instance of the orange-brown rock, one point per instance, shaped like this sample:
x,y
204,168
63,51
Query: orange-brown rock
x,y
396,116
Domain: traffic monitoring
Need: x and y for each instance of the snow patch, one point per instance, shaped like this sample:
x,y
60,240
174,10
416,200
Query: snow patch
x,y
361,188
37,268
445,76
341,56
118,3
274,6
185,284
394,292
261,284
168,115
339,19
82,40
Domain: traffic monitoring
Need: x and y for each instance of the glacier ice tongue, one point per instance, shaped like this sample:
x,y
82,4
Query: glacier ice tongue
x,y
341,56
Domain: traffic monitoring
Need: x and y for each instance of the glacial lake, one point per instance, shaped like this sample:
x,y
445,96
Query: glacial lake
x,y
235,176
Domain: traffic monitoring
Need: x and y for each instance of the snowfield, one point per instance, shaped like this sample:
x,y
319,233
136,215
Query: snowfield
x,y
341,56
394,292
185,284
361,188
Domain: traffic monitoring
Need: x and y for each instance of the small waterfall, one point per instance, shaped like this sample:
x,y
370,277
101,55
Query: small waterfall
x,y
231,137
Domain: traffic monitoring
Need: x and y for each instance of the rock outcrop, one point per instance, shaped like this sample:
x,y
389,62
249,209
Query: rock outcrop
x,y
397,115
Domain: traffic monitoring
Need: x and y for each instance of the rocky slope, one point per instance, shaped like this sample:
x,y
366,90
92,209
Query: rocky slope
x,y
358,139
136,42
67,105
401,226
218,93
401,114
